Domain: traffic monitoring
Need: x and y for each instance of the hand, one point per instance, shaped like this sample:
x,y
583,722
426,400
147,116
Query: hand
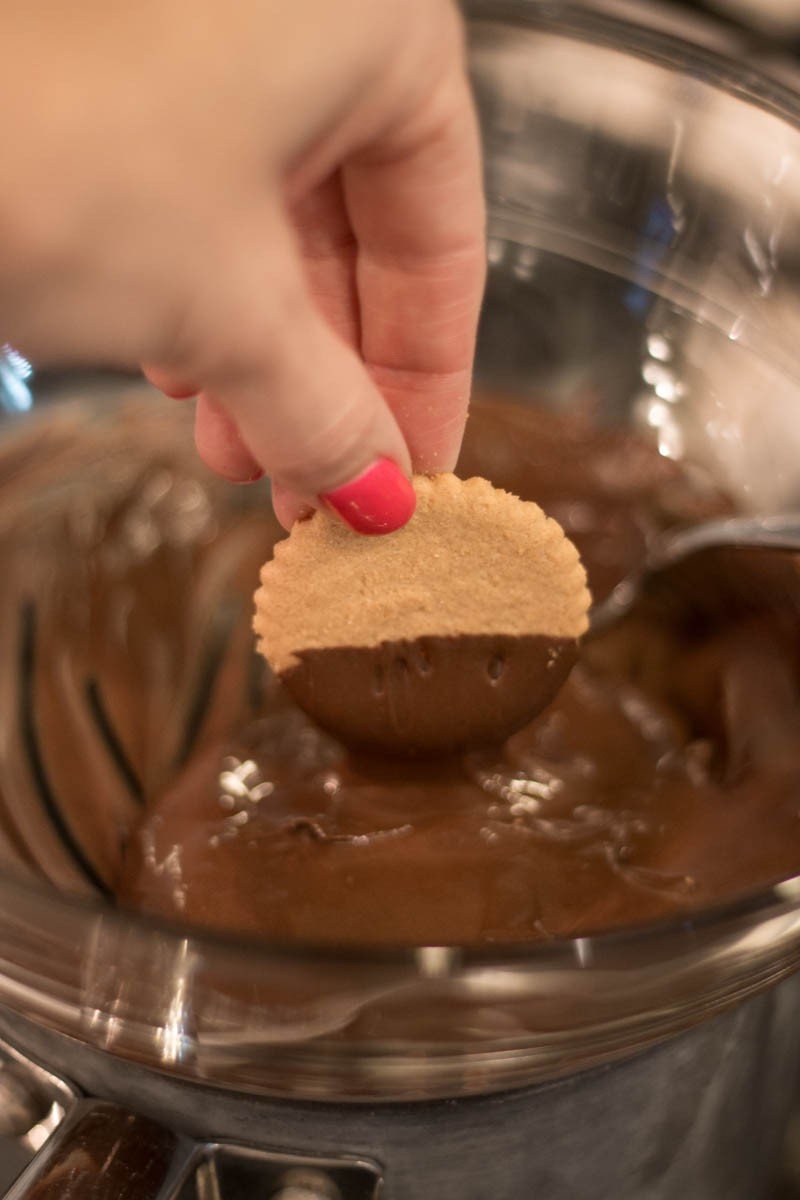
x,y
275,205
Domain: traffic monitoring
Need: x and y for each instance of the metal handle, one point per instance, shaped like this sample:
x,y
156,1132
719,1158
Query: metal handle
x,y
780,531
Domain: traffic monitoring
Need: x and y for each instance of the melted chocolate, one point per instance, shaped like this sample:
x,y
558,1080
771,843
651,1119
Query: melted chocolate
x,y
431,693
603,812
664,776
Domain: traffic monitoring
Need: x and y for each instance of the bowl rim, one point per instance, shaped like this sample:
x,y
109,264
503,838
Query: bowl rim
x,y
717,69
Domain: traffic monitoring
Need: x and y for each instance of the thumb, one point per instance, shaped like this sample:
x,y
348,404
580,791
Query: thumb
x,y
303,402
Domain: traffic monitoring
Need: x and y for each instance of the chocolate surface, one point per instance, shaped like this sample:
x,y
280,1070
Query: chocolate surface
x,y
663,777
609,809
430,693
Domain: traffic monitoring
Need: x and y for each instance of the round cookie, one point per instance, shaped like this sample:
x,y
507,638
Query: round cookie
x,y
456,630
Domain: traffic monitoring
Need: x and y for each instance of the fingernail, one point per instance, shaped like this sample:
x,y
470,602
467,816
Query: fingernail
x,y
379,500
254,478
170,385
183,391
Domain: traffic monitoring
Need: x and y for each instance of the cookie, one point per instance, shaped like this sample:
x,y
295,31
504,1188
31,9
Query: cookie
x,y
454,631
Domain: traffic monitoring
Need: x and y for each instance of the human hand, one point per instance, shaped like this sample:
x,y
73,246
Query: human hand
x,y
277,206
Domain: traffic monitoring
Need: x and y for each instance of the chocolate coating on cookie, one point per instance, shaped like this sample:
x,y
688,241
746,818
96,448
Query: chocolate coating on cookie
x,y
430,694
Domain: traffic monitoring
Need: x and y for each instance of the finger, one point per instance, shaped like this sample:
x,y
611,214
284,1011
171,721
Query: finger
x,y
304,405
220,446
171,385
328,250
415,202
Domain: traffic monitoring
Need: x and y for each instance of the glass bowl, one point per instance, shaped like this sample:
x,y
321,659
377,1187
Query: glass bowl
x,y
644,247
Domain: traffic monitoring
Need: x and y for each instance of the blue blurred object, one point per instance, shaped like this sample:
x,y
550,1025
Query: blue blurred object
x,y
15,372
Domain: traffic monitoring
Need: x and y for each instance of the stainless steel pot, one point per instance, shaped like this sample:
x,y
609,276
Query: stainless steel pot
x,y
700,1116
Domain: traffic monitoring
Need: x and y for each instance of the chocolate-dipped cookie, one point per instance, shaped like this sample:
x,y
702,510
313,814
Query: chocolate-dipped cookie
x,y
456,630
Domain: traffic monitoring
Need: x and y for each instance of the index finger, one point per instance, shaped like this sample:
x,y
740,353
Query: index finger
x,y
415,201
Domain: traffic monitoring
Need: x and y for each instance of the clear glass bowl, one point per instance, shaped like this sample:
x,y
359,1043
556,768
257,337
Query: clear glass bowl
x,y
644,250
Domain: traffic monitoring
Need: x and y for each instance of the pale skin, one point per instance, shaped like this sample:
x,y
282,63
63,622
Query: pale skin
x,y
275,205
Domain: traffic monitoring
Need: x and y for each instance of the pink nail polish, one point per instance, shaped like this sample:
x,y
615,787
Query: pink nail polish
x,y
379,500
183,391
